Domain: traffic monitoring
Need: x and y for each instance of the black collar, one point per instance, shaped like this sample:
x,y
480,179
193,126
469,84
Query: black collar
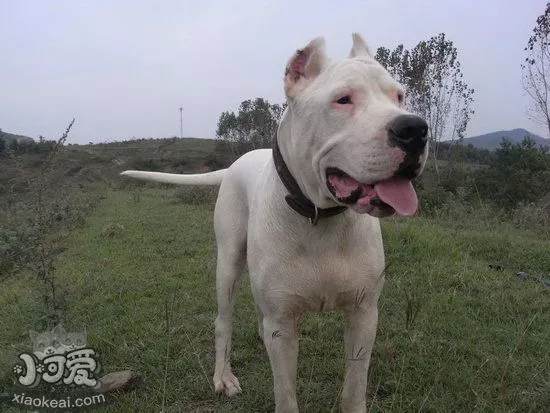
x,y
296,199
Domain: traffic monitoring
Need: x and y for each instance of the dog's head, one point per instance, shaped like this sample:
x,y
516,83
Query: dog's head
x,y
347,133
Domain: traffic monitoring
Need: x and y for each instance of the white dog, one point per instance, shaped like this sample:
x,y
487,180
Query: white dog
x,y
304,216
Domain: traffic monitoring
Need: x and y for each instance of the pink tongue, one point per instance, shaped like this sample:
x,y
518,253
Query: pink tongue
x,y
399,194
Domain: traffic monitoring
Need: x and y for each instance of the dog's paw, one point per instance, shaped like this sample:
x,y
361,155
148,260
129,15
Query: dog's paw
x,y
227,383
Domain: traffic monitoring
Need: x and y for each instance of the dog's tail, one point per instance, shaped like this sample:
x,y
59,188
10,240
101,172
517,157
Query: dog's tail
x,y
209,178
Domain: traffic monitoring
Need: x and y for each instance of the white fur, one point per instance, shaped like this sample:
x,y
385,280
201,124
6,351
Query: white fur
x,y
295,267
210,178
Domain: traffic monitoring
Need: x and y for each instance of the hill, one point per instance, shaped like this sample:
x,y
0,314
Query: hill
x,y
492,140
101,163
9,137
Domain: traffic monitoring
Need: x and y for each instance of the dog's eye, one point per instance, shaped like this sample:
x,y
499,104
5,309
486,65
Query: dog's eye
x,y
344,100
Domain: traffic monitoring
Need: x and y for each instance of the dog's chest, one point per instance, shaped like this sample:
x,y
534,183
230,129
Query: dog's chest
x,y
335,265
336,281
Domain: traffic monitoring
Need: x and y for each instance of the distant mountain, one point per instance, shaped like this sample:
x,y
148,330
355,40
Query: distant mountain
x,y
8,137
492,140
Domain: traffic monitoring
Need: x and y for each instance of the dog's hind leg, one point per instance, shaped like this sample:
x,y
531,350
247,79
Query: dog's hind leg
x,y
230,222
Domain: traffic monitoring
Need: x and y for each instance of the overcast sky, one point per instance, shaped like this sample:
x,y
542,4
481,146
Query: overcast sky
x,y
123,68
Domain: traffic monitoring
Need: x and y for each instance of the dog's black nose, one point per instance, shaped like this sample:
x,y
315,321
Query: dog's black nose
x,y
409,132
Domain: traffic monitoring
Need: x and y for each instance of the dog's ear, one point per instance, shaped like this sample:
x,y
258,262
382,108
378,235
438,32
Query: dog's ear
x,y
359,47
305,65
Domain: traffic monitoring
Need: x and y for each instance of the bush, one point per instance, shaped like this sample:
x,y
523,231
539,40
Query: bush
x,y
146,164
16,248
215,161
531,216
458,210
519,173
432,199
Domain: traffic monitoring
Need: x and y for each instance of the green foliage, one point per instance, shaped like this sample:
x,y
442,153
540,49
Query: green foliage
x,y
16,247
13,146
510,185
532,216
26,146
453,151
146,164
253,127
19,144
519,173
216,161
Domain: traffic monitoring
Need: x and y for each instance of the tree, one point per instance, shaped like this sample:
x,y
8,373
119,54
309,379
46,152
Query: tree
x,y
14,146
517,173
536,70
2,145
253,127
432,76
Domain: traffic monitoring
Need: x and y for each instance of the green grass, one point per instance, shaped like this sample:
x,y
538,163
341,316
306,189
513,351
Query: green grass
x,y
140,278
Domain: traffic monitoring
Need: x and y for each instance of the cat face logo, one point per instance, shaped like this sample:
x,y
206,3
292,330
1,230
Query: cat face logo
x,y
58,356
56,341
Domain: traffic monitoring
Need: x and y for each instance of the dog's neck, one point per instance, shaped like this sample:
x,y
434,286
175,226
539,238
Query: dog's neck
x,y
296,198
296,149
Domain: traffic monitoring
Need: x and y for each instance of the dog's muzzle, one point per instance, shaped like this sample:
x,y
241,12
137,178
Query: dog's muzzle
x,y
396,194
409,133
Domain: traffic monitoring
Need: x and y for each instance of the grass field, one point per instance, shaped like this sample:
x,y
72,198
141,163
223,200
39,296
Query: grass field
x,y
454,335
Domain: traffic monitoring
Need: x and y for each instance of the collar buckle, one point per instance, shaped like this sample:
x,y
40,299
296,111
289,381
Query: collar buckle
x,y
313,221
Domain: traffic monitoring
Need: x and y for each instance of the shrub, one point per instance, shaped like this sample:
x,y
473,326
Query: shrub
x,y
519,173
145,164
531,216
16,248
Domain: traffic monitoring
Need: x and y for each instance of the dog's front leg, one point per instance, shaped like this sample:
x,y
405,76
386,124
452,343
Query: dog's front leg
x,y
281,342
359,338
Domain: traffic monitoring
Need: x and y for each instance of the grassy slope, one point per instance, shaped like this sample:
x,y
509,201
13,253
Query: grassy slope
x,y
479,341
103,162
170,155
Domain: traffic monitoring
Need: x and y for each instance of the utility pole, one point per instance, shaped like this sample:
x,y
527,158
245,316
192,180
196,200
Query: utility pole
x,y
181,122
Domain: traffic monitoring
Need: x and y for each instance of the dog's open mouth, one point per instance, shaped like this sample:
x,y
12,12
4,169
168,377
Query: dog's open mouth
x,y
379,199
